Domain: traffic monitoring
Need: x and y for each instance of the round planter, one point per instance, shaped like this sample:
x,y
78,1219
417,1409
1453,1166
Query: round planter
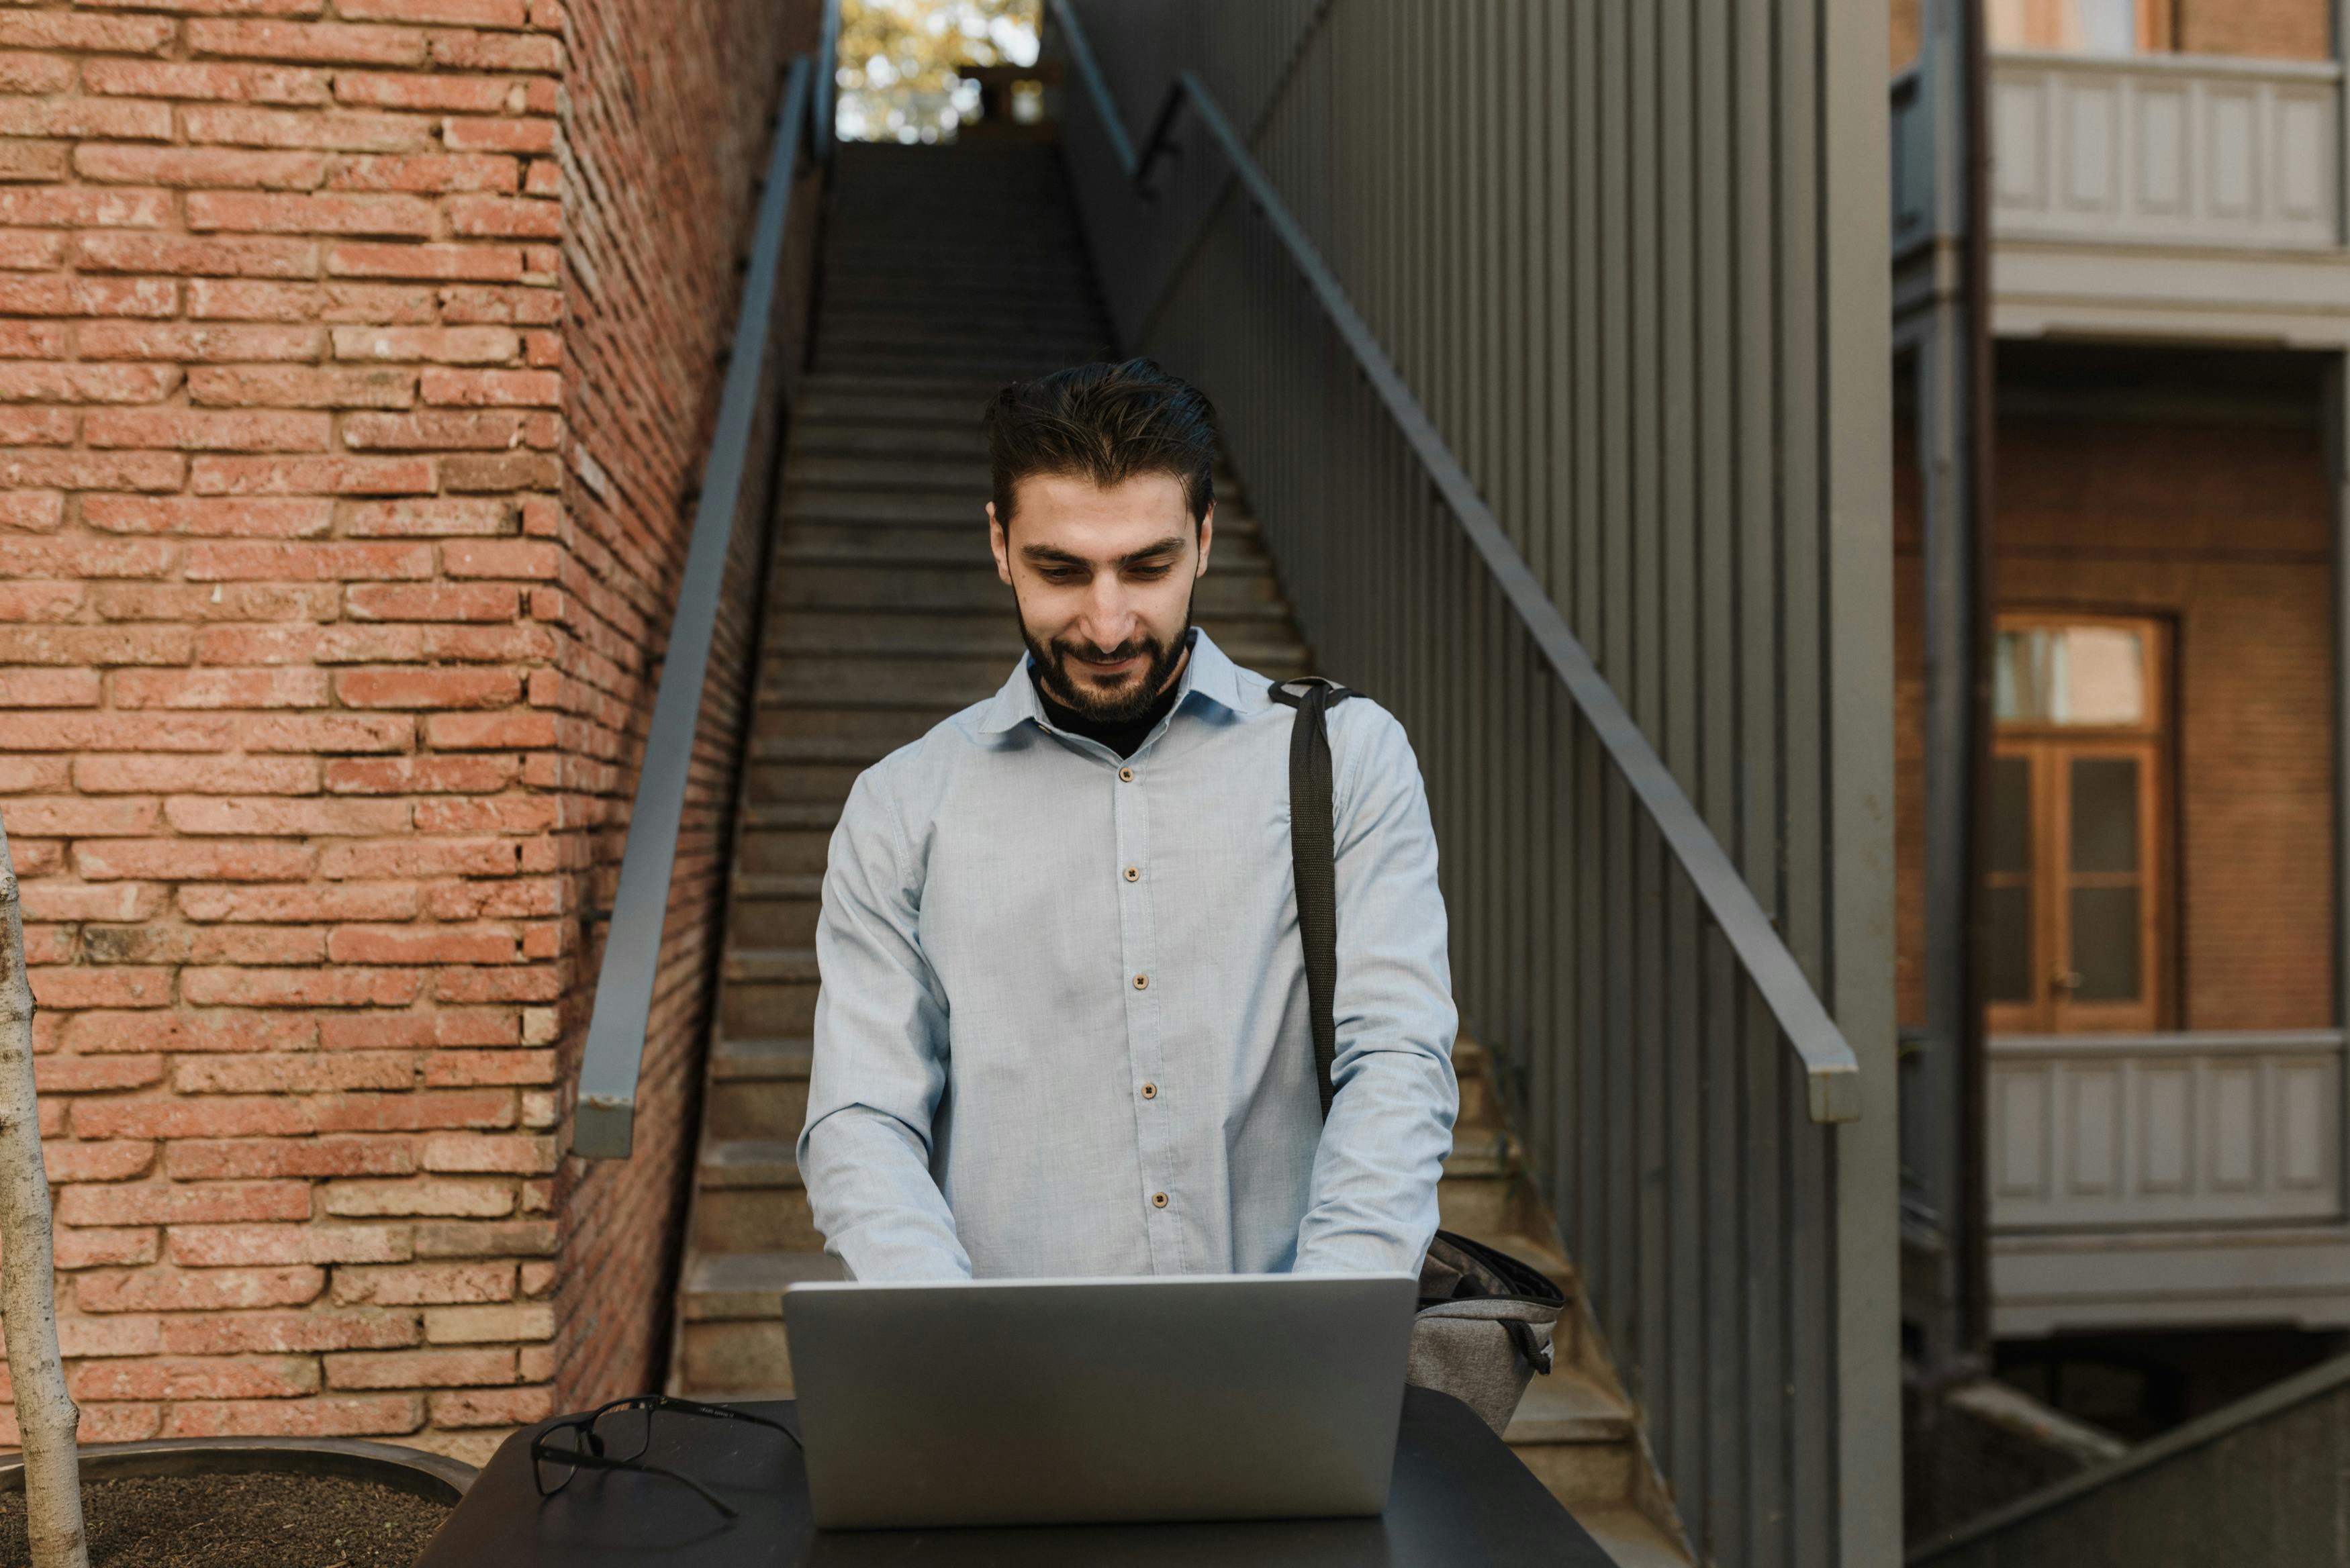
x,y
435,1475
304,1475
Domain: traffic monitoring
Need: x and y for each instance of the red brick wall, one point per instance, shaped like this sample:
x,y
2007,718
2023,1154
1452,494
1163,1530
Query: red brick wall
x,y
2223,528
687,137
2280,29
319,670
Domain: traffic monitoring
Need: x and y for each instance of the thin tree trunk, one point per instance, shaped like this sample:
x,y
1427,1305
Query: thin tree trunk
x,y
45,1416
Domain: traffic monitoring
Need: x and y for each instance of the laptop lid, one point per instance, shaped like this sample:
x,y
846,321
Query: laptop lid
x,y
1084,1401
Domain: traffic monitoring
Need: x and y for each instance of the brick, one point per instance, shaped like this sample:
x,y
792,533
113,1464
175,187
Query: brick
x,y
485,1239
343,901
59,296
306,1073
324,562
54,900
38,776
35,73
470,134
283,1333
429,429
445,857
197,1290
73,817
329,1416
82,1161
142,771
496,52
421,775
328,733
489,1324
141,944
96,645
240,125
98,1336
441,90
31,250
245,256
75,206
266,517
33,160
454,13
243,169
185,1030
493,1406
439,1026
323,42
513,1155
524,558
277,816
440,344
257,945
491,388
428,689
171,1204
310,213
431,173
419,1368
99,34
425,1284
216,1246
224,688
92,469
432,516
208,1377
427,1111
70,990
208,429
201,343
205,81
90,1075
90,119
458,1200
44,381
336,475
82,1247
38,511
56,731
268,1159
49,687
243,987
301,387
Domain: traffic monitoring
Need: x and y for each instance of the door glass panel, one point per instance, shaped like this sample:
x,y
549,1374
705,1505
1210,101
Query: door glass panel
x,y
2105,944
2015,678
2011,814
2105,814
2096,675
2010,917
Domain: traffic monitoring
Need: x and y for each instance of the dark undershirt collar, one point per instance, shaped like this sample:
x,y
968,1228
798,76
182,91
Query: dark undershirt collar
x,y
1124,739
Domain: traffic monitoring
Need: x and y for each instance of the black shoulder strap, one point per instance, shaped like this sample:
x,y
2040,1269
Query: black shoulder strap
x,y
1314,857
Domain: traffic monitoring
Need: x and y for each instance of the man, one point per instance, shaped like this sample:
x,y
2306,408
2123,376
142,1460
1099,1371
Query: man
x,y
1063,1029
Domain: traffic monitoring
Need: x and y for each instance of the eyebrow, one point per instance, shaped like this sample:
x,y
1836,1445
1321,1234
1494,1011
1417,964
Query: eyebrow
x,y
1046,555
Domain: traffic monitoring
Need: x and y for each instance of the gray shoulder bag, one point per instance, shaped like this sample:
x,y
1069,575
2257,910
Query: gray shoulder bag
x,y
1485,1318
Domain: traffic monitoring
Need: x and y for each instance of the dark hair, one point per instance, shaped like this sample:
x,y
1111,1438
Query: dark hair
x,y
1106,424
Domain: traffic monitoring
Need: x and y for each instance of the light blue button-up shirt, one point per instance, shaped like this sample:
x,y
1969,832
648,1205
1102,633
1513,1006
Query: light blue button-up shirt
x,y
1063,1029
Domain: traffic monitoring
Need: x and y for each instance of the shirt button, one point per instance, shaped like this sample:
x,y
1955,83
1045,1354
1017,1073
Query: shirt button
x,y
1142,982
1134,873
1159,1200
1149,1091
1126,775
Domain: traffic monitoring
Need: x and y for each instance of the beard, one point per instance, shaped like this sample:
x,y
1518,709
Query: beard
x,y
1127,702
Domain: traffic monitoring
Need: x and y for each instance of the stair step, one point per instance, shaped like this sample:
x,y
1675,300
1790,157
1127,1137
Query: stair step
x,y
772,964
748,1162
1567,1407
1630,1537
740,1061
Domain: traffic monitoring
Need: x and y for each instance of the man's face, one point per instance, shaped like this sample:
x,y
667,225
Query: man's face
x,y
1103,579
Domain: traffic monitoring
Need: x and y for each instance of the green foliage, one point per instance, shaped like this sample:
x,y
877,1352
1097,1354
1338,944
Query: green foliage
x,y
899,61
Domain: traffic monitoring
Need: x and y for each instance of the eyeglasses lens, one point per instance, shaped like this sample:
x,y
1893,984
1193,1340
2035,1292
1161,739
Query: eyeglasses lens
x,y
626,1432
553,1475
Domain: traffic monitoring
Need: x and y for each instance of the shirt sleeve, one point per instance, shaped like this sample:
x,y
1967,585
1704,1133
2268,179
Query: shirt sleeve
x,y
1372,1204
878,1073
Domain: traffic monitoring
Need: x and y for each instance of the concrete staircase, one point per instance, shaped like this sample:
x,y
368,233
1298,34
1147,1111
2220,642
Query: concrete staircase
x,y
946,271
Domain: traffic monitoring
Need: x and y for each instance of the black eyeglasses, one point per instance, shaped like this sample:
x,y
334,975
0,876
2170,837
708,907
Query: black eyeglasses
x,y
615,1438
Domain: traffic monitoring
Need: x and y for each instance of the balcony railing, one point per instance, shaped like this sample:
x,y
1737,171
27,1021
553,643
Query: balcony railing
x,y
2142,149
2127,1132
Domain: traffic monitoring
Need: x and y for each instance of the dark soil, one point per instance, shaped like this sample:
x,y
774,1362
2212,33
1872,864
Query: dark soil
x,y
256,1519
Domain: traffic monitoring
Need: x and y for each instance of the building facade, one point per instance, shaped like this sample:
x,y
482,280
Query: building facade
x,y
2161,794
357,370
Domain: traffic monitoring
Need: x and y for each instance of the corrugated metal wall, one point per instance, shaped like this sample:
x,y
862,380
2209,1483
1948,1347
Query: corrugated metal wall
x,y
1631,256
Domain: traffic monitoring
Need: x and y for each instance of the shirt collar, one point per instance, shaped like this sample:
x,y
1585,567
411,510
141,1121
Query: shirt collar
x,y
1208,674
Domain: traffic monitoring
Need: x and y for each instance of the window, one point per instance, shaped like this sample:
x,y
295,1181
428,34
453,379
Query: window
x,y
2081,26
2078,904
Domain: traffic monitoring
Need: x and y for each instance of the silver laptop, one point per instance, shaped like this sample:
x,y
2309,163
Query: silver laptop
x,y
1082,1401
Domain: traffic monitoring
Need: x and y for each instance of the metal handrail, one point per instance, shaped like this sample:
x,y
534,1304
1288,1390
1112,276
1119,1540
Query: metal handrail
x,y
1831,1071
604,1121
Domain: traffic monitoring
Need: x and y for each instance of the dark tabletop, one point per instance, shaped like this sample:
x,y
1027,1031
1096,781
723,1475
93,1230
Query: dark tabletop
x,y
1459,1496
